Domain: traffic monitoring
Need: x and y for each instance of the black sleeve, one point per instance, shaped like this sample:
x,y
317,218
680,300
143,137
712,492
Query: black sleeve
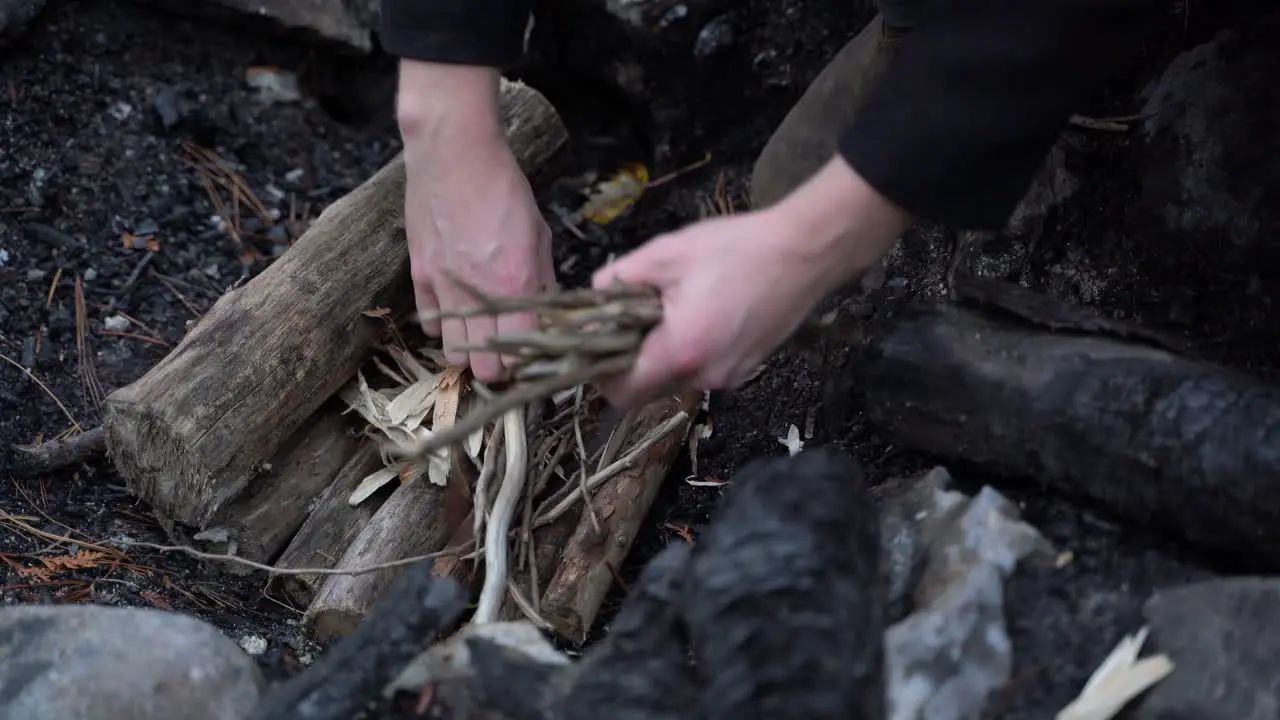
x,y
466,32
965,115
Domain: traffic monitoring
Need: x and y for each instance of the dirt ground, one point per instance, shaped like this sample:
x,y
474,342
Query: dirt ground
x,y
97,101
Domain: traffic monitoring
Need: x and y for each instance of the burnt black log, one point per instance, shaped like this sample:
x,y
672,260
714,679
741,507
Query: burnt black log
x,y
408,618
638,672
785,605
1146,432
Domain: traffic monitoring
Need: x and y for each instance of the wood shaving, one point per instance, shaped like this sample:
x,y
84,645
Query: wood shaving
x,y
1121,678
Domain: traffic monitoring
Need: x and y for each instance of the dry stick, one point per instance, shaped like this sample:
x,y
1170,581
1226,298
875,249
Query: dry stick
x,y
582,459
504,508
519,396
614,468
460,551
55,454
480,505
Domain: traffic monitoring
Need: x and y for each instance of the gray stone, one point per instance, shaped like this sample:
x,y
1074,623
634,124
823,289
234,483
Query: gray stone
x,y
73,662
947,658
1221,636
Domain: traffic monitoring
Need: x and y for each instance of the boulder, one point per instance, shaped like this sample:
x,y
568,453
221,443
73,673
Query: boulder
x,y
91,662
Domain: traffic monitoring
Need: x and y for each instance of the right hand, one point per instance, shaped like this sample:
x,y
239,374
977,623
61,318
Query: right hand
x,y
469,210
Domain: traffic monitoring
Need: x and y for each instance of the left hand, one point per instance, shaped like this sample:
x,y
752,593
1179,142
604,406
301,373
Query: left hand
x,y
734,288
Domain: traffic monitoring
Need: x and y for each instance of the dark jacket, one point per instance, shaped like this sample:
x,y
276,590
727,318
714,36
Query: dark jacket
x,y
954,132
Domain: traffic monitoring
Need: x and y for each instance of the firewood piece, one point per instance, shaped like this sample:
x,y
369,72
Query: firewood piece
x,y
57,454
417,608
550,539
187,435
784,602
410,523
258,524
329,529
577,590
1151,435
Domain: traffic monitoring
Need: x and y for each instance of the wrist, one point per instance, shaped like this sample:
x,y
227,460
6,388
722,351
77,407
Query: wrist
x,y
839,224
434,99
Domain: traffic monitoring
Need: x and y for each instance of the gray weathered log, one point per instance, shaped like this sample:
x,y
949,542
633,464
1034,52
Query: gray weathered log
x,y
410,523
189,433
329,528
259,523
1147,433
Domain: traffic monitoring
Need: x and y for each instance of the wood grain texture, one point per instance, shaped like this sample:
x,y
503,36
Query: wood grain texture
x,y
330,527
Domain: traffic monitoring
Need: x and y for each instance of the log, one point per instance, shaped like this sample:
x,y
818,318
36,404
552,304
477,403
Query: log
x,y
410,523
329,529
1148,433
259,523
187,435
589,560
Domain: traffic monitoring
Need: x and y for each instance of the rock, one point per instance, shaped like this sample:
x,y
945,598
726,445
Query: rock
x,y
1207,157
15,14
1220,635
948,657
71,662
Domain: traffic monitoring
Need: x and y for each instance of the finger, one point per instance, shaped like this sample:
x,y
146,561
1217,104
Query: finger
x,y
428,305
486,366
453,330
518,323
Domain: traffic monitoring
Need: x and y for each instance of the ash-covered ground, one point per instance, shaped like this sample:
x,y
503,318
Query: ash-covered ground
x,y
101,101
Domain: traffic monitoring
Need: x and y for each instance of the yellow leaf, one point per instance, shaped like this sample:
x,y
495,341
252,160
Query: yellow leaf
x,y
611,198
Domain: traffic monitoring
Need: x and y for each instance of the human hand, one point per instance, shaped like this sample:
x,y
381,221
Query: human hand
x,y
469,211
734,288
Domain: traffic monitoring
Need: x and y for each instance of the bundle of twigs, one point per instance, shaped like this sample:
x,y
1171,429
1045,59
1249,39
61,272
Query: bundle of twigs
x,y
524,443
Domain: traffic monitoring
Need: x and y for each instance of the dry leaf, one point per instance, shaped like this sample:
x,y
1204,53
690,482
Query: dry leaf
x,y
377,312
612,198
1119,679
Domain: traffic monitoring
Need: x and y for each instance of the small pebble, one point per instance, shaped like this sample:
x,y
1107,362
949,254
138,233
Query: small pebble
x,y
253,644
36,275
116,323
90,275
714,37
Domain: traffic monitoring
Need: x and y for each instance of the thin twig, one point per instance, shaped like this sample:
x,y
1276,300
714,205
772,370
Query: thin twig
x,y
582,461
613,469
483,414
363,570
46,390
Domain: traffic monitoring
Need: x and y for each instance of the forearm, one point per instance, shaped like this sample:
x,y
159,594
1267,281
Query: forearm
x,y
962,120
